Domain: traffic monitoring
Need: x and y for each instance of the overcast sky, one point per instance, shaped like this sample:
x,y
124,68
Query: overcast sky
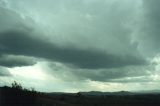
x,y
80,45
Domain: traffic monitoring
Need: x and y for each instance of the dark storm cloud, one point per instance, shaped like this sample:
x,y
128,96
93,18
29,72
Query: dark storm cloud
x,y
22,43
149,33
103,75
4,72
11,20
14,61
99,41
108,75
18,38
153,17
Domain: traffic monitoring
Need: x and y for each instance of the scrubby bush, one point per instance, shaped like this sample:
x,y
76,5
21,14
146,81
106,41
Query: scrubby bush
x,y
17,85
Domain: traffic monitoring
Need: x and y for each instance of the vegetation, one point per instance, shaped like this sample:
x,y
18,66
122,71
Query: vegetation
x,y
16,85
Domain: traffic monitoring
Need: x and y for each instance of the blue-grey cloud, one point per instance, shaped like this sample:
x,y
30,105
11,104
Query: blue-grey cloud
x,y
95,40
148,28
4,72
16,61
22,41
119,74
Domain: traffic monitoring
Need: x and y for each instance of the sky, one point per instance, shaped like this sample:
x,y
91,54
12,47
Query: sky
x,y
80,45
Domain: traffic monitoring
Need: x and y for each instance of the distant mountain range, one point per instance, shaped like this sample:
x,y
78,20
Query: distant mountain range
x,y
99,93
106,93
149,91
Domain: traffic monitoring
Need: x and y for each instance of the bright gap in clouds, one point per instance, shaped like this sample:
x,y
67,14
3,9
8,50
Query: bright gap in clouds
x,y
30,72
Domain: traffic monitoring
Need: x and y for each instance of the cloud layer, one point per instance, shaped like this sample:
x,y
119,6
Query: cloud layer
x,y
4,72
21,43
105,41
24,42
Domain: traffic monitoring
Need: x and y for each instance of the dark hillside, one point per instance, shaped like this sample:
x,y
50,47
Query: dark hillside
x,y
17,97
21,97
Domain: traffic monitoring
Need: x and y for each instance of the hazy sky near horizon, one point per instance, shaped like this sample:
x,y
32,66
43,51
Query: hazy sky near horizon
x,y
80,45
